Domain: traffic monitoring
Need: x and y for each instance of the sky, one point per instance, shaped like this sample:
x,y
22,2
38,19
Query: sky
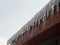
x,y
15,13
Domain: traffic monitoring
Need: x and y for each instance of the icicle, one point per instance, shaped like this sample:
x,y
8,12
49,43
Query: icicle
x,y
33,24
16,38
28,28
57,7
43,17
52,7
48,13
22,32
39,19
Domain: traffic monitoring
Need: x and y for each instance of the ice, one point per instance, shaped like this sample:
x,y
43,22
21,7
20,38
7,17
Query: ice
x,y
40,15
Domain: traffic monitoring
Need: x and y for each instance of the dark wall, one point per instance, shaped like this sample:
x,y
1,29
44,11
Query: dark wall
x,y
53,41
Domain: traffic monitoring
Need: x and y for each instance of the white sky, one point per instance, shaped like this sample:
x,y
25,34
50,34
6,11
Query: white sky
x,y
15,13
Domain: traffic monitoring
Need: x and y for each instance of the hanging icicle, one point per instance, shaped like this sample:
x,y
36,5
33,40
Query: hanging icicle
x,y
39,18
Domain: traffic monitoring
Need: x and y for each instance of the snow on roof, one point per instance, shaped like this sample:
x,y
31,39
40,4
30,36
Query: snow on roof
x,y
38,16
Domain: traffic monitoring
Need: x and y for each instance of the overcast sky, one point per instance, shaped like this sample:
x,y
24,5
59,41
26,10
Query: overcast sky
x,y
15,13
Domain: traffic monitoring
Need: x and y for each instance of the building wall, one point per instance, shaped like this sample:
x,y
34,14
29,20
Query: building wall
x,y
53,41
